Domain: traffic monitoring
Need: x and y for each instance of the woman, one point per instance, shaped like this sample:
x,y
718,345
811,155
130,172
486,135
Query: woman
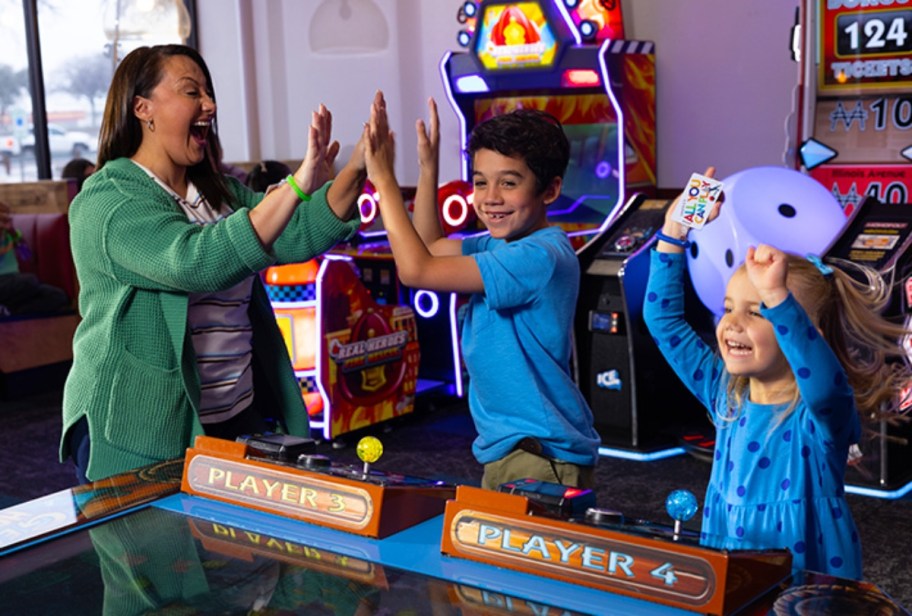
x,y
177,335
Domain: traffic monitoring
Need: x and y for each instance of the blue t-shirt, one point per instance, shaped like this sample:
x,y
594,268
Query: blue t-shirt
x,y
777,478
516,344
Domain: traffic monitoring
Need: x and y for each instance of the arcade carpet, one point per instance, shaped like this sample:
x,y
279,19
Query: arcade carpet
x,y
435,441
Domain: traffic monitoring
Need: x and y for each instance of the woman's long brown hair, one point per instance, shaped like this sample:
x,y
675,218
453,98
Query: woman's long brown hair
x,y
121,132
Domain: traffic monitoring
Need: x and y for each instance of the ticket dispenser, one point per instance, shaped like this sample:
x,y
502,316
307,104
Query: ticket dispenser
x,y
879,235
637,400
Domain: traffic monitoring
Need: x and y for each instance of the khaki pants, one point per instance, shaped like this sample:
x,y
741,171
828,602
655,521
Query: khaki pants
x,y
520,464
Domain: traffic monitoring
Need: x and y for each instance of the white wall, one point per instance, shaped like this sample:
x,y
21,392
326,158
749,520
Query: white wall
x,y
266,113
724,81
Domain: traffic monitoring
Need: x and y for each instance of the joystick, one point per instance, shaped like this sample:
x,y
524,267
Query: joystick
x,y
369,450
681,505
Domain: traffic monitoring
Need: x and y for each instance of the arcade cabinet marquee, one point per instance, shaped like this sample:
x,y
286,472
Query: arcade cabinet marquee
x,y
566,57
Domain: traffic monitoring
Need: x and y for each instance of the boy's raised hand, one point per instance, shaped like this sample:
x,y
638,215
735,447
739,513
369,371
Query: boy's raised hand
x,y
429,140
379,141
767,270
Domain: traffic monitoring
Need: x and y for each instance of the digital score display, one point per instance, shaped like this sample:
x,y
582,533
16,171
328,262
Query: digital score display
x,y
874,33
864,47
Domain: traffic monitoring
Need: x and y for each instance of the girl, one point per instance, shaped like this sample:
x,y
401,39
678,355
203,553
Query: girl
x,y
801,358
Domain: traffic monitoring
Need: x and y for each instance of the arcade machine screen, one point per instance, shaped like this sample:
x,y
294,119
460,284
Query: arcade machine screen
x,y
515,35
590,123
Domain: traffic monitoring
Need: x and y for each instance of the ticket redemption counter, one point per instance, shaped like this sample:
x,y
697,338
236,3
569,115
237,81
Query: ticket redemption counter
x,y
355,359
638,402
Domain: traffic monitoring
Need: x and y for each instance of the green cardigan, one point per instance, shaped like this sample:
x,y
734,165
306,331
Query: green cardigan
x,y
134,374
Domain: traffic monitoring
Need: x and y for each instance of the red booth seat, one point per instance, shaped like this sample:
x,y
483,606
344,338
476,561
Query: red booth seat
x,y
39,211
48,239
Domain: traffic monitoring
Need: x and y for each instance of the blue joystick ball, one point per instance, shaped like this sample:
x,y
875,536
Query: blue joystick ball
x,y
681,505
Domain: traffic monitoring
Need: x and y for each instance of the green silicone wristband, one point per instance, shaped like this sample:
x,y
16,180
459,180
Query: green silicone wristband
x,y
303,196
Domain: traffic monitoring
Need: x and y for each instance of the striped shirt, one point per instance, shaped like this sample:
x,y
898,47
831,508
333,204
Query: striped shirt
x,y
220,329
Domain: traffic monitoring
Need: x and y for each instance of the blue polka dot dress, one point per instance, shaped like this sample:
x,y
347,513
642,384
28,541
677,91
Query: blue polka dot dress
x,y
778,473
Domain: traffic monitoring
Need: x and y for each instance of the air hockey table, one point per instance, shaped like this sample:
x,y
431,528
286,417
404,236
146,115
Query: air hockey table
x,y
148,542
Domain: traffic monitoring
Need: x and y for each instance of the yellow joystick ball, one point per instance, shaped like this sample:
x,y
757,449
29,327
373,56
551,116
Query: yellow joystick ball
x,y
369,449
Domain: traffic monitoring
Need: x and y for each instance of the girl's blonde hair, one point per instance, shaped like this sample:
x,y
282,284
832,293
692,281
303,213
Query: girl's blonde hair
x,y
848,309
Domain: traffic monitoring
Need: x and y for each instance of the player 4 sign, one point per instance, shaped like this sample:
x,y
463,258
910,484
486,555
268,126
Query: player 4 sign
x,y
606,562
501,529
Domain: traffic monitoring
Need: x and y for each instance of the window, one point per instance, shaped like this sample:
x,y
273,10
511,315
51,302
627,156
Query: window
x,y
80,44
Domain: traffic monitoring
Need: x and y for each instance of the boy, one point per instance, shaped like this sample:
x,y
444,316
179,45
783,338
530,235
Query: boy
x,y
532,420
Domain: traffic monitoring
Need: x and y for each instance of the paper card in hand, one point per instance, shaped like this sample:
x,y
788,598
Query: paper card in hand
x,y
697,201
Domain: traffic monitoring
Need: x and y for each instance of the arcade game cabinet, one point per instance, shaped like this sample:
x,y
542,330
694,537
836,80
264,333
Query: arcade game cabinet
x,y
436,314
567,58
854,115
355,359
638,402
879,235
855,111
363,346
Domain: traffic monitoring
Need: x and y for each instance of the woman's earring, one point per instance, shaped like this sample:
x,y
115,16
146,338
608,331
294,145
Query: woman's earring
x,y
151,125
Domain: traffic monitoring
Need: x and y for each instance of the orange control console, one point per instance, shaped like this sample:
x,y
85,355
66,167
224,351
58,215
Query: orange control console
x,y
640,559
361,501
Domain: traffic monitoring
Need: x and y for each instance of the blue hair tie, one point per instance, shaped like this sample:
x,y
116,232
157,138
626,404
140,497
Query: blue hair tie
x,y
825,269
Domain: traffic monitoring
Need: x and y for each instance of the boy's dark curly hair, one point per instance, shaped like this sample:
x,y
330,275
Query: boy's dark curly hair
x,y
532,135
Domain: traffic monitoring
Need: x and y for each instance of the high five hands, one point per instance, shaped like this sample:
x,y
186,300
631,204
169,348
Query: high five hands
x,y
317,166
379,143
429,137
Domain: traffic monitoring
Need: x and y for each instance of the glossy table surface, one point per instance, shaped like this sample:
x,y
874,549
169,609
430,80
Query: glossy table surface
x,y
139,546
